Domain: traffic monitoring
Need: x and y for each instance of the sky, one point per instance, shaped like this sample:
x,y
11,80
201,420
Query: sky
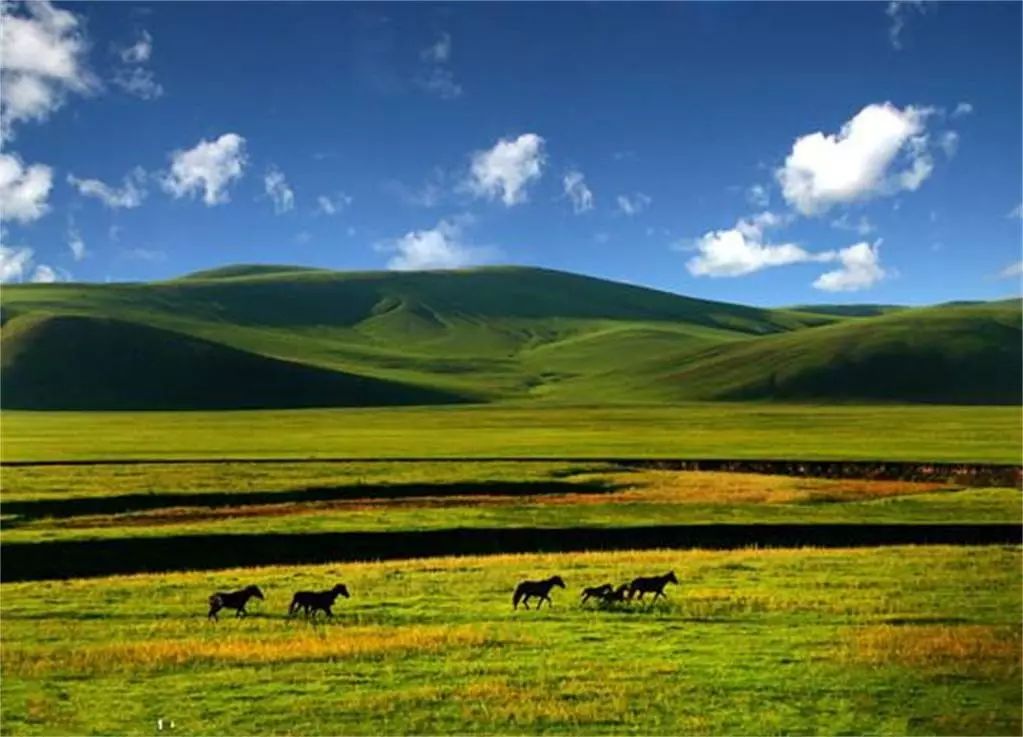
x,y
762,153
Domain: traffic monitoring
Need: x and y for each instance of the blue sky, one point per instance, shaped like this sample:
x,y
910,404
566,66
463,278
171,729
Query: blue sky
x,y
750,152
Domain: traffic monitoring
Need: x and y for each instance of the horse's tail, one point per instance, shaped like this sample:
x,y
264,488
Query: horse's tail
x,y
520,591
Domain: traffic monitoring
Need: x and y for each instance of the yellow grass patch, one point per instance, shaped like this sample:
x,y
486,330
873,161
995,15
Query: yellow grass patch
x,y
985,649
332,643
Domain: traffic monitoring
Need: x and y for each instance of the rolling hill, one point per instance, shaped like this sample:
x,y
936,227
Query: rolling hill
x,y
307,337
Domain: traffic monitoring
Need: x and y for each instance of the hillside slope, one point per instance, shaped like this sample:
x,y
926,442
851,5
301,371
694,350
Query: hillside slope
x,y
951,355
88,363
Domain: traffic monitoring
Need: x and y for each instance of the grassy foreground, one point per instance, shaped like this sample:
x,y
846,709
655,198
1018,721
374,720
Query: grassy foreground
x,y
896,641
697,430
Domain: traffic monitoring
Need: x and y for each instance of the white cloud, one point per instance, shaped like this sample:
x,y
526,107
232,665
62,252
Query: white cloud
x,y
507,169
138,81
949,142
429,194
76,244
1016,212
963,108
896,11
130,195
24,190
332,204
140,51
861,268
576,190
14,263
758,196
440,247
633,205
43,61
277,189
863,226
741,250
44,274
436,77
210,167
1012,271
825,170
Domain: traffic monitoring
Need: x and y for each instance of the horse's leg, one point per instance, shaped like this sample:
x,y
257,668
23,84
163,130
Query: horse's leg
x,y
213,613
328,612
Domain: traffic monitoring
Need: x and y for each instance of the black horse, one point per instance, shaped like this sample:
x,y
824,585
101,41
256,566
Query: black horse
x,y
596,592
314,601
539,589
233,600
651,585
617,596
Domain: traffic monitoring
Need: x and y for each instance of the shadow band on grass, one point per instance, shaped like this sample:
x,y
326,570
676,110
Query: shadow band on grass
x,y
76,559
126,503
966,474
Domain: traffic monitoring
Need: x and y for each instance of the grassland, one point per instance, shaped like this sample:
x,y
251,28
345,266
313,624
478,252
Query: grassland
x,y
895,641
516,496
310,337
698,430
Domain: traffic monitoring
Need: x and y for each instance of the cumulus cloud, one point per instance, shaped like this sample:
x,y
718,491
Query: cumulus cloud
x,y
76,244
44,274
963,108
24,190
131,193
824,170
43,61
332,204
507,169
897,12
209,168
633,204
576,190
440,247
860,269
741,250
436,76
14,263
277,189
1012,271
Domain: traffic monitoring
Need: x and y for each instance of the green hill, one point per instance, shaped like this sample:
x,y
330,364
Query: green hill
x,y
88,363
487,334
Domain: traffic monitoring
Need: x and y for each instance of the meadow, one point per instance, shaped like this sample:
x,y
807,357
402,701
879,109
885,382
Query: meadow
x,y
912,640
894,432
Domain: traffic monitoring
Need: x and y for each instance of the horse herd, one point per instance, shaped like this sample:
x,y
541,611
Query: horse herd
x,y
311,602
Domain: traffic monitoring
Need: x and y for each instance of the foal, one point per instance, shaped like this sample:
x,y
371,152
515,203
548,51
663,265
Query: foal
x,y
596,592
539,589
617,596
314,601
651,585
233,600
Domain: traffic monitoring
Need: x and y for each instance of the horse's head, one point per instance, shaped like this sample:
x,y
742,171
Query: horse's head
x,y
670,577
556,581
254,591
341,590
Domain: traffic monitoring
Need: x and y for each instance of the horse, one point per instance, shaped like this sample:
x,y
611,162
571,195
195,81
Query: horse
x,y
651,584
539,589
596,592
233,600
617,596
314,601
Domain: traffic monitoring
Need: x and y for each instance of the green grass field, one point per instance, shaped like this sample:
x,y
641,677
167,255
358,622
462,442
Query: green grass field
x,y
695,430
894,641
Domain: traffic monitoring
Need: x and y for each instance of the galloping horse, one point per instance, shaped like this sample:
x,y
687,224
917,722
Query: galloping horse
x,y
617,596
651,584
233,600
596,592
314,601
539,589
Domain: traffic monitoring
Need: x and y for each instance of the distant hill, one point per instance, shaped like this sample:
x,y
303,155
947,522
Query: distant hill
x,y
318,337
848,310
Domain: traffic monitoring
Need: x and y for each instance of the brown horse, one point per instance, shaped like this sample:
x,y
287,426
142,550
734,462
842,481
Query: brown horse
x,y
539,589
233,600
314,601
651,585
